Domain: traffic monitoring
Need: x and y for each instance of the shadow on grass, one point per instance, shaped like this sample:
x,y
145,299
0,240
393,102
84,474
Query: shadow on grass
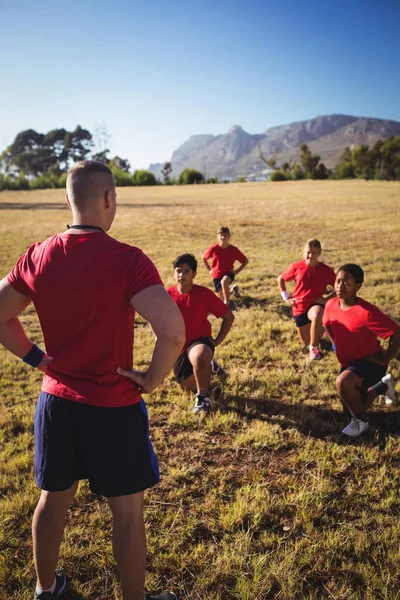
x,y
313,421
248,301
64,206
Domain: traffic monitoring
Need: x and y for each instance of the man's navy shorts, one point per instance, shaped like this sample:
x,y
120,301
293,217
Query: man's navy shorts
x,y
303,319
369,371
108,446
183,368
217,281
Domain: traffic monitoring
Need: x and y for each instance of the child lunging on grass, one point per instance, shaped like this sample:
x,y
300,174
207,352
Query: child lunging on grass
x,y
307,301
223,257
193,368
355,325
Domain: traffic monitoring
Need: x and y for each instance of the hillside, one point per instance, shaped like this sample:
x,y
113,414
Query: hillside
x,y
236,153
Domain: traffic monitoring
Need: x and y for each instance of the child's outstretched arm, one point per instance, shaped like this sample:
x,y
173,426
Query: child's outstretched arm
x,y
227,321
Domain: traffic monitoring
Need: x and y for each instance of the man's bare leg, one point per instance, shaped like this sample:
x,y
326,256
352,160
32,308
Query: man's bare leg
x,y
129,543
47,532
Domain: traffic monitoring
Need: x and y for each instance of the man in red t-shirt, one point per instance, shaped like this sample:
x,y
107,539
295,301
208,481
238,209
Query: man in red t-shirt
x,y
307,301
90,420
223,257
354,325
193,367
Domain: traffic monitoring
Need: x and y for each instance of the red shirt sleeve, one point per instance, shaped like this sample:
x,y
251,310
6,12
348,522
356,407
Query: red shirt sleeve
x,y
140,274
215,306
20,275
289,273
381,324
331,277
208,253
239,256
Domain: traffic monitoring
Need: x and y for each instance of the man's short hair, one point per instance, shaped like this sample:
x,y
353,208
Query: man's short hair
x,y
224,229
354,270
186,259
313,243
87,180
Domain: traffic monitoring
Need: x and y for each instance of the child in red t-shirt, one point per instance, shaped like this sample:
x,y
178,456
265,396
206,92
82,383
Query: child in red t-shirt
x,y
307,300
193,368
223,257
355,325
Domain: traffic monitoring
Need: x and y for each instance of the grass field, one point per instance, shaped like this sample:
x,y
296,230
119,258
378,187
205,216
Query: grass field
x,y
263,499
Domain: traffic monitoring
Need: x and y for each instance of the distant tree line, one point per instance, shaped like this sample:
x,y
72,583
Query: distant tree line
x,y
381,161
36,160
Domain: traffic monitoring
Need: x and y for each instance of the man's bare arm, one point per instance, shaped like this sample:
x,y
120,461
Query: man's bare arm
x,y
156,306
12,334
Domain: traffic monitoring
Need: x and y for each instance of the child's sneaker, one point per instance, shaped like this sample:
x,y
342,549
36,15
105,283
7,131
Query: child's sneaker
x,y
356,427
201,403
390,395
163,596
59,592
235,290
315,353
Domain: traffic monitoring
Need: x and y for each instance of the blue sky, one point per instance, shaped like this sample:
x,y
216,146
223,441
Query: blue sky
x,y
156,72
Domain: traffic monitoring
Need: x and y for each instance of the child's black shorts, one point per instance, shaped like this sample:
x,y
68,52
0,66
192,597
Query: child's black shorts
x,y
369,371
303,319
183,368
108,446
217,281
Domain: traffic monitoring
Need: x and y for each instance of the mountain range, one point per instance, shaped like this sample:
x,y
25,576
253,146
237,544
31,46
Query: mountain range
x,y
237,153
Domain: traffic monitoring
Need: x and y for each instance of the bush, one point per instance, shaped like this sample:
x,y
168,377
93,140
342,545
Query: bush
x,y
241,179
42,182
345,171
279,176
297,172
122,178
190,176
143,177
212,180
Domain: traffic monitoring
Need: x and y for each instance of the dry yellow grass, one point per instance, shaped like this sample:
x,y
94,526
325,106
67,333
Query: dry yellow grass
x,y
264,499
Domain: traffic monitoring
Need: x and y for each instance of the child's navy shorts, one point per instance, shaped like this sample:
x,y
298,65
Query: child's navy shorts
x,y
369,371
217,281
108,446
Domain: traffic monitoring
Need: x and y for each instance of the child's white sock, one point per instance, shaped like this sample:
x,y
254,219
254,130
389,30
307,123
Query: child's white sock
x,y
51,589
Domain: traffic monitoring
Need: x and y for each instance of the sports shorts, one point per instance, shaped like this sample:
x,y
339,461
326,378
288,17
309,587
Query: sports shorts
x,y
217,281
183,368
108,446
303,319
369,371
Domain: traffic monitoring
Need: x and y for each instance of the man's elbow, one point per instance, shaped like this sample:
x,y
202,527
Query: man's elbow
x,y
174,333
229,317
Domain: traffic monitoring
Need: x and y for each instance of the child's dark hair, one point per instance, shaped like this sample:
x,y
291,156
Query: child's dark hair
x,y
224,229
187,259
354,270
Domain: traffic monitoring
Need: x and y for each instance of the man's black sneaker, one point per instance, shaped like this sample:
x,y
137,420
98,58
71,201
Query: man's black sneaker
x,y
163,596
59,592
202,403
